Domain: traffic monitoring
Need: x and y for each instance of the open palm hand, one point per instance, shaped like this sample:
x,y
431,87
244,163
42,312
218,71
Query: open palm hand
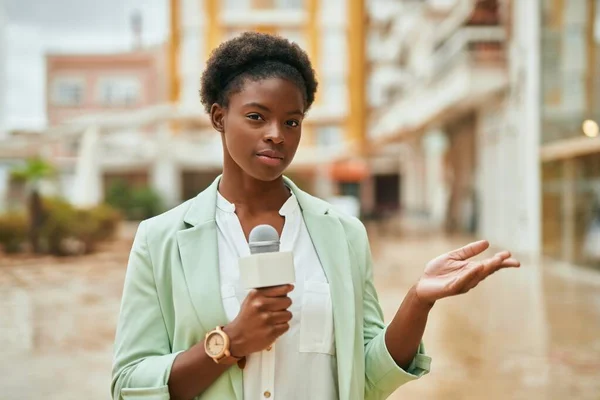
x,y
452,273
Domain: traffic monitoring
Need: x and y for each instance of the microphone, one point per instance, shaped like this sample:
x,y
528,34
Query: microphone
x,y
266,265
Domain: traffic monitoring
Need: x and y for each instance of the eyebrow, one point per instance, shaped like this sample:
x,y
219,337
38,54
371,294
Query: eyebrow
x,y
265,108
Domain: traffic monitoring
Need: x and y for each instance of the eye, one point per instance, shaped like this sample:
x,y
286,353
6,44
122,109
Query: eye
x,y
293,123
254,117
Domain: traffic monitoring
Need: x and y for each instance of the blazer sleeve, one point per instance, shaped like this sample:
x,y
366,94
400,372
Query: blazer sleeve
x,y
142,354
383,375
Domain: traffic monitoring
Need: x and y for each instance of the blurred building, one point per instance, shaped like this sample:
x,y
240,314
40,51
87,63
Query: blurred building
x,y
452,118
464,116
472,103
570,97
83,84
110,122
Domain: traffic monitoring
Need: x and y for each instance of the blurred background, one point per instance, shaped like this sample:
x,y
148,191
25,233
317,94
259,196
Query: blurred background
x,y
436,122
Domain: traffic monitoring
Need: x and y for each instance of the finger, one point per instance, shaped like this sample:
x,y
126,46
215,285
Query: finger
x,y
491,264
272,303
508,263
474,281
460,284
275,291
277,303
280,317
279,329
470,250
503,254
511,263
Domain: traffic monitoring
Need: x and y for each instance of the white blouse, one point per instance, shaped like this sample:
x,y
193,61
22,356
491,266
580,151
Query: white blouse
x,y
302,363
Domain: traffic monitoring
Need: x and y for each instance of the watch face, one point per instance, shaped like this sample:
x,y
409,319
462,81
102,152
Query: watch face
x,y
215,344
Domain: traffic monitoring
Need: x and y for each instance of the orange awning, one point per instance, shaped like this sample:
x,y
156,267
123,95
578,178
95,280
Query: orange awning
x,y
349,171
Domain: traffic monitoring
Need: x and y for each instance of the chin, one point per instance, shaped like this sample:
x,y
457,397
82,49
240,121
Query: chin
x,y
266,173
266,177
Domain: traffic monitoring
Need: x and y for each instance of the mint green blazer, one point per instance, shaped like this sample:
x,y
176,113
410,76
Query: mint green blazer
x,y
172,298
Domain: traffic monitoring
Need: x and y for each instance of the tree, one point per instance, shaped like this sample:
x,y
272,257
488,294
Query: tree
x,y
32,174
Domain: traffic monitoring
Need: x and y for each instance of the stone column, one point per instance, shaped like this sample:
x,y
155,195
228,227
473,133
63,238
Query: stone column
x,y
324,185
165,175
461,158
525,104
88,186
435,144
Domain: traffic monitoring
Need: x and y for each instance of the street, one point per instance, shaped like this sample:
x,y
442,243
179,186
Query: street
x,y
532,333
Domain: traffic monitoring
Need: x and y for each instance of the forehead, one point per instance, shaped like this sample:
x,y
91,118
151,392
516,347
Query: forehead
x,y
275,93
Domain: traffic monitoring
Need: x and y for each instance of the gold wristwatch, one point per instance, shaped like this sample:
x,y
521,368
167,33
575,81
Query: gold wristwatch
x,y
216,345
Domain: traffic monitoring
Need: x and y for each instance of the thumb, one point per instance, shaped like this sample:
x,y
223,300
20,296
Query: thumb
x,y
470,250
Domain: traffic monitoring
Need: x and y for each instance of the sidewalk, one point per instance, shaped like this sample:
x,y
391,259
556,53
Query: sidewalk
x,y
532,333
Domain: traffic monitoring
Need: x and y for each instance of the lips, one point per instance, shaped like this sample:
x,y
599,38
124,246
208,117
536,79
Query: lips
x,y
271,154
270,158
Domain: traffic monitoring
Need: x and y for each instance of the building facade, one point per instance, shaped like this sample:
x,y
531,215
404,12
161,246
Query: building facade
x,y
464,120
111,119
490,122
83,84
570,101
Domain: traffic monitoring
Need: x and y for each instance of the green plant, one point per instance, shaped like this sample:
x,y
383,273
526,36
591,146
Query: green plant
x,y
67,230
108,219
134,203
146,203
60,223
13,231
32,173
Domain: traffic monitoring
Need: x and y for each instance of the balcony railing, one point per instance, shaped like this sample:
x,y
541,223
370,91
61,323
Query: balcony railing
x,y
481,46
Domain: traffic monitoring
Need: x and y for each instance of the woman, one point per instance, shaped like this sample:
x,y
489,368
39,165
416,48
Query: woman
x,y
187,327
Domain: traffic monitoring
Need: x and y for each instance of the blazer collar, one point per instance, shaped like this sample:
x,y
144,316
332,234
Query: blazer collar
x,y
204,205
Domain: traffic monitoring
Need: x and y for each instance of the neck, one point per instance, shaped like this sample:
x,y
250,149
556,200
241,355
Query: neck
x,y
251,194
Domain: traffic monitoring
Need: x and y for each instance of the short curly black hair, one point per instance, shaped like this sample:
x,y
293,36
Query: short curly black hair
x,y
255,56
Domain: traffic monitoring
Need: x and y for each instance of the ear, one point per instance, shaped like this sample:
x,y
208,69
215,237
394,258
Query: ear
x,y
217,117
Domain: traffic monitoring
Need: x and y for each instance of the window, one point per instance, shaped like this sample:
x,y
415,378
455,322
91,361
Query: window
x,y
329,136
237,5
334,51
68,91
335,92
289,4
294,35
119,91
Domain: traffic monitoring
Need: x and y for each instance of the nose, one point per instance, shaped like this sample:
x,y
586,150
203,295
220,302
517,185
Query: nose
x,y
274,134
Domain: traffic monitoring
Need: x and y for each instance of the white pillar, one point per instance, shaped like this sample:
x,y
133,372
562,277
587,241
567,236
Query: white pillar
x,y
435,144
324,185
88,186
413,188
569,209
165,176
4,181
525,74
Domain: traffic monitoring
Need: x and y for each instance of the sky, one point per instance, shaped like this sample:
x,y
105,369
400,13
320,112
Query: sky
x,y
33,28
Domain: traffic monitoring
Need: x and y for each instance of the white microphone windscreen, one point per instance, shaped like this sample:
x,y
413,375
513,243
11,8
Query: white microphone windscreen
x,y
263,239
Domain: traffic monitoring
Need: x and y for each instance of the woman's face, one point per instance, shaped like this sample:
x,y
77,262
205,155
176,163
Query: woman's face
x,y
261,127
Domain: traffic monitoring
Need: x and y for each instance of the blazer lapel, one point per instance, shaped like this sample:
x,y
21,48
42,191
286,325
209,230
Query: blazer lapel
x,y
329,239
200,260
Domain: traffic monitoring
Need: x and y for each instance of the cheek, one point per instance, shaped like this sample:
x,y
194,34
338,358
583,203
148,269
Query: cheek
x,y
238,142
294,139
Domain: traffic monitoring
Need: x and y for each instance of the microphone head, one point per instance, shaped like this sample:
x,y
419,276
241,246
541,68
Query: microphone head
x,y
263,239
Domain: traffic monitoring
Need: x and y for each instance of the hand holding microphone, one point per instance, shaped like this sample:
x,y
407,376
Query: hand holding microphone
x,y
264,314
